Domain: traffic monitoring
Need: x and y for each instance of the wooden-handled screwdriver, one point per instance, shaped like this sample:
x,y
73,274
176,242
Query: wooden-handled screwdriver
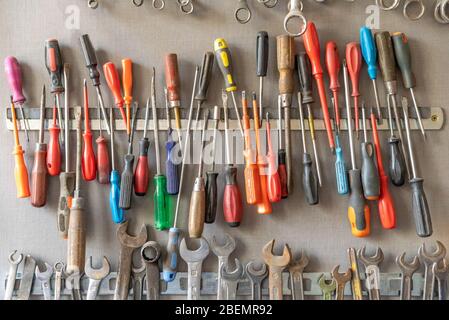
x,y
173,85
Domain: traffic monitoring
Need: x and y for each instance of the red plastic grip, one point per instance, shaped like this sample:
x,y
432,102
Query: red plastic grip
x,y
141,176
232,205
333,65
113,81
54,150
354,63
103,164
312,46
88,165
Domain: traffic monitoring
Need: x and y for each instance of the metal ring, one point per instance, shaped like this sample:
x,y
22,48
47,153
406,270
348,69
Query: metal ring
x,y
245,9
184,6
293,15
419,15
437,12
300,8
138,3
444,9
394,5
155,6
183,2
93,4
270,3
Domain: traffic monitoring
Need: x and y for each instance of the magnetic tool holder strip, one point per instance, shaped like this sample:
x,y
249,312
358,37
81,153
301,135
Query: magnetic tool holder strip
x,y
433,119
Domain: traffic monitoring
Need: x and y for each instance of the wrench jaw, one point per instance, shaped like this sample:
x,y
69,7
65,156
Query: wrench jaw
x,y
97,274
438,254
150,252
11,258
237,274
131,241
373,260
276,264
254,273
441,271
408,268
44,277
194,255
223,250
427,259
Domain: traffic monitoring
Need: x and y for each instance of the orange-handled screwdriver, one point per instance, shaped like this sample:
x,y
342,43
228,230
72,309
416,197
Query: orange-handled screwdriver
x,y
54,149
113,81
127,81
89,164
273,180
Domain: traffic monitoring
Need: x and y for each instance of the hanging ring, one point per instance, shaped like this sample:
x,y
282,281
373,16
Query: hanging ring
x,y
158,4
242,14
295,12
407,5
138,3
93,4
270,3
394,5
187,7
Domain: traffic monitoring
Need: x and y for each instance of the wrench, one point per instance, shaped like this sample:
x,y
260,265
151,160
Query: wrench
x,y
27,279
95,276
296,269
441,273
407,270
341,279
256,277
428,259
328,288
276,264
151,252
194,259
356,284
372,271
138,276
222,252
13,264
127,245
231,279
44,278
59,268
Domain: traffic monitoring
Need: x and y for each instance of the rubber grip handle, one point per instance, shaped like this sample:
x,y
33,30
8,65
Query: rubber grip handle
x,y
205,76
404,59
76,241
66,189
262,53
170,263
397,168
340,171
103,164
162,218
286,63
14,75
21,173
224,60
232,199
114,198
370,175
39,177
387,61
54,64
282,171
88,164
211,196
91,59
312,47
264,206
421,211
358,210
309,182
354,63
126,185
172,78
305,77
369,51
252,186
273,180
127,80
113,81
197,209
333,65
54,152
142,172
171,169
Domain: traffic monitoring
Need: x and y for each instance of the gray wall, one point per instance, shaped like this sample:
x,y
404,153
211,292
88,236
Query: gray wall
x,y
118,29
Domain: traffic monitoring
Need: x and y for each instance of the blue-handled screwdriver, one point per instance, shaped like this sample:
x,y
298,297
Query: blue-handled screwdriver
x,y
171,168
340,164
114,195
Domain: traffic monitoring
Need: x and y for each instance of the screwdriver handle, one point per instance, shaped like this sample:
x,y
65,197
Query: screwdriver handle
x,y
224,60
312,46
205,76
211,196
162,219
354,63
21,173
91,59
39,176
370,175
14,75
369,51
113,81
170,263
421,211
114,198
126,184
273,180
309,183
264,206
171,169
333,65
397,167
127,80
358,210
286,63
89,165
103,163
54,64
66,189
197,209
404,59
262,54
232,199
76,252
252,187
340,169
305,77
142,172
54,150
172,79
282,171
387,61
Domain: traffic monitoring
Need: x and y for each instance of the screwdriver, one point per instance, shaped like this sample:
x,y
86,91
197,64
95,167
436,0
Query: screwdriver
x,y
264,206
387,63
142,172
421,211
174,89
309,182
91,64
369,52
305,88
404,61
286,67
54,64
370,175
103,165
387,213
171,168
20,169
333,68
39,172
114,194
14,75
127,80
223,56
354,64
232,199
203,85
211,176
113,81
170,263
89,165
340,163
197,210
358,209
54,150
273,179
282,170
261,64
312,46
251,172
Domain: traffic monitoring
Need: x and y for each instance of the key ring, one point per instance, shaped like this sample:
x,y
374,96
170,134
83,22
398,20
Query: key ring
x,y
138,3
242,14
269,3
295,12
156,2
93,4
186,6
441,11
406,13
394,5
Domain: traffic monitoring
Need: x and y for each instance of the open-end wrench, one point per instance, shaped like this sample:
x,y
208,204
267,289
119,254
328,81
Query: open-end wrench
x,y
138,276
407,270
341,279
44,278
296,269
26,283
222,252
428,259
328,287
127,245
151,252
356,284
231,279
256,277
95,276
276,264
13,264
372,271
59,268
441,273
194,260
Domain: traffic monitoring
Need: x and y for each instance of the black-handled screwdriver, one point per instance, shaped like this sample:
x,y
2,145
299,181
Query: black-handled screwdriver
x,y
204,81
262,65
397,168
212,175
370,175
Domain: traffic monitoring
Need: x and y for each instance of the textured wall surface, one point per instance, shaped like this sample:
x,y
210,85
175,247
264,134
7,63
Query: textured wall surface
x,y
118,29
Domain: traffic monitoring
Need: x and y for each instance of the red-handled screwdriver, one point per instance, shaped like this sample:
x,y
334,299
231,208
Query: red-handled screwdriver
x,y
273,180
89,165
113,81
54,150
333,68
354,61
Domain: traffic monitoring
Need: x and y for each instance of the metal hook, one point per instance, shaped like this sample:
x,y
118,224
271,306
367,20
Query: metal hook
x,y
186,4
158,7
295,12
93,4
242,10
394,5
440,12
138,3
269,3
406,13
